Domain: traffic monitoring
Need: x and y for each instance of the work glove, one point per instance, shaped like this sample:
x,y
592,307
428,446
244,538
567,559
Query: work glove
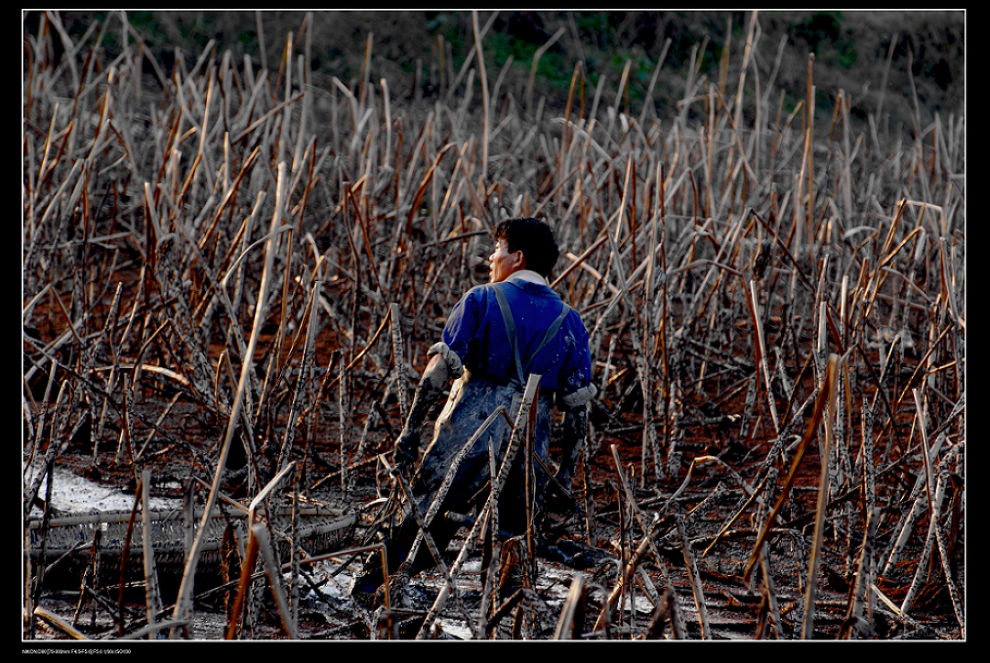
x,y
557,499
405,451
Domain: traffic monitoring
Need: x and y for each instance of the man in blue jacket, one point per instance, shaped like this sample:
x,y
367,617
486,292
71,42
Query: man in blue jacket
x,y
496,336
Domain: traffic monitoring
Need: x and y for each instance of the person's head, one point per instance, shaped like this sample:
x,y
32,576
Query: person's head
x,y
522,243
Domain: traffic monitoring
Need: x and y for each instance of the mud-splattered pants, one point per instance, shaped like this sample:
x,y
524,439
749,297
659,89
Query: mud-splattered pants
x,y
469,404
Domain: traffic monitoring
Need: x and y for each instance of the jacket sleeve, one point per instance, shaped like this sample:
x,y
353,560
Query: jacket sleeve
x,y
461,329
575,387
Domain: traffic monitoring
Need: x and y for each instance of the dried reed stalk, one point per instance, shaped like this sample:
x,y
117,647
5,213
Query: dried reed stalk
x,y
182,606
811,584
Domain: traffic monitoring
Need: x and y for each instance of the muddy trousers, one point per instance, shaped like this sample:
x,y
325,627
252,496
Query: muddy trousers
x,y
512,519
468,406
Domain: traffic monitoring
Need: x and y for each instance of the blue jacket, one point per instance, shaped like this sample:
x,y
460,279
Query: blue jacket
x,y
476,332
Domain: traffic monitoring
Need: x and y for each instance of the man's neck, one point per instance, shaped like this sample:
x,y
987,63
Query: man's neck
x,y
527,275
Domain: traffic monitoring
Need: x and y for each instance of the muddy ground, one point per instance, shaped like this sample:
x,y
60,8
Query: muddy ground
x,y
706,492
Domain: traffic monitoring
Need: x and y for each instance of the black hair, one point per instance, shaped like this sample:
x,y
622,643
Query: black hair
x,y
534,238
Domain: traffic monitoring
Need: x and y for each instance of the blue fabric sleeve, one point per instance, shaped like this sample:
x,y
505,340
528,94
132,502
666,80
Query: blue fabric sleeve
x,y
463,323
575,372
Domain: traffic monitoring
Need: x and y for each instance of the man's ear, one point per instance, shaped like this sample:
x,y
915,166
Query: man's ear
x,y
520,259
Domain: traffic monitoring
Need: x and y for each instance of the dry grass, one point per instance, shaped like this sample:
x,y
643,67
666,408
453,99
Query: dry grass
x,y
242,240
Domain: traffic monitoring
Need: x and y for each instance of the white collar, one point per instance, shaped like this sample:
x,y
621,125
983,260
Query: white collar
x,y
528,275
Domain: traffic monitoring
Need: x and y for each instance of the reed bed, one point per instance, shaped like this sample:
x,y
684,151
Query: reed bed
x,y
226,261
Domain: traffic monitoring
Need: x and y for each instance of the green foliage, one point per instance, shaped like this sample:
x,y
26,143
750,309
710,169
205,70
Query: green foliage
x,y
146,24
826,38
452,29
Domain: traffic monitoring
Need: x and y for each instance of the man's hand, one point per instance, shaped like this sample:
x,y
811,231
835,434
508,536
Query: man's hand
x,y
559,496
574,431
564,476
430,389
405,451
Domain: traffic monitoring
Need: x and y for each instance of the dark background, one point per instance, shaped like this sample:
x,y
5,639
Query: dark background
x,y
419,52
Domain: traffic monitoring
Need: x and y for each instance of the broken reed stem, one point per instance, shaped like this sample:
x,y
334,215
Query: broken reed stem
x,y
399,359
57,432
58,622
153,601
811,583
32,593
243,586
771,593
816,416
935,496
860,605
258,541
342,421
483,176
693,574
260,532
761,352
666,610
629,565
572,612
